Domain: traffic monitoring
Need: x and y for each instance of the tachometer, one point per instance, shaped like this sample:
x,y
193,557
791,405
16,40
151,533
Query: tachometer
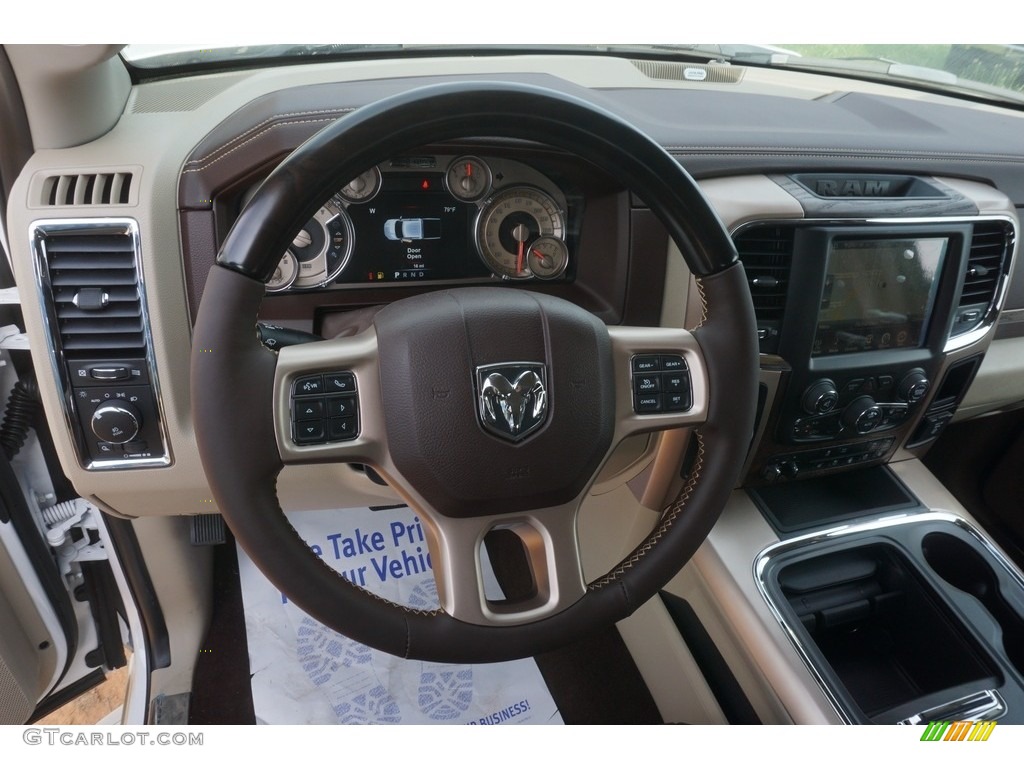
x,y
508,225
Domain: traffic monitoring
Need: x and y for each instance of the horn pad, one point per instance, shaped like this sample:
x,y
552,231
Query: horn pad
x,y
495,401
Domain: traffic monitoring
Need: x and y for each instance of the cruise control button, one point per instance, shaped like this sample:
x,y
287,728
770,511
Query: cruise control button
x,y
342,405
341,429
675,382
678,401
673,363
646,385
307,432
309,385
340,382
648,404
306,409
646,363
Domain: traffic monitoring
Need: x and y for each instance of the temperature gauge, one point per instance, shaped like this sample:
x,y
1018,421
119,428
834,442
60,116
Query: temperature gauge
x,y
285,274
548,257
468,179
363,187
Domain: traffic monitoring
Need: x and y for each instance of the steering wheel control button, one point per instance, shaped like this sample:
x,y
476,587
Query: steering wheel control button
x,y
646,364
339,382
318,420
309,432
678,401
648,404
646,384
675,382
306,409
342,429
309,385
662,389
342,405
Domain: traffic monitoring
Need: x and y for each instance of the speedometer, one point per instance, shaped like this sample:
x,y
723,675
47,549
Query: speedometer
x,y
509,223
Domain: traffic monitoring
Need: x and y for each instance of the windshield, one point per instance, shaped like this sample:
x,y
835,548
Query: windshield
x,y
993,72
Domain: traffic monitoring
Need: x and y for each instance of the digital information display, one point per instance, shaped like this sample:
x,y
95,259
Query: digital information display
x,y
413,231
878,294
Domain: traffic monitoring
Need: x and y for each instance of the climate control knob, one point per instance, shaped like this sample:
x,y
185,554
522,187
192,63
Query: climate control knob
x,y
820,397
862,415
116,421
913,386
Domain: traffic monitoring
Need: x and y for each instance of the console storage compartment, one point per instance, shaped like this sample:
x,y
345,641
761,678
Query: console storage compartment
x,y
904,619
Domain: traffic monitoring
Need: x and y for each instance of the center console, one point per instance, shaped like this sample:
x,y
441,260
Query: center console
x,y
858,319
843,582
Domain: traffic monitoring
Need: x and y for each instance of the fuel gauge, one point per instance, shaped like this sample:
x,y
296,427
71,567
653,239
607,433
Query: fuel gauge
x,y
468,178
548,257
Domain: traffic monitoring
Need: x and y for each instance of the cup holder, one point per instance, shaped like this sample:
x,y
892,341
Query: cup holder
x,y
963,567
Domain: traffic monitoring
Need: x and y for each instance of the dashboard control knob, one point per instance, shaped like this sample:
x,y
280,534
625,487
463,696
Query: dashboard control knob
x,y
863,415
914,386
820,397
116,421
771,472
790,469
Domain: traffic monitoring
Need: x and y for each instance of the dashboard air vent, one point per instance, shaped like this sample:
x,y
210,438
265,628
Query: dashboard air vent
x,y
91,288
767,253
986,263
77,189
96,299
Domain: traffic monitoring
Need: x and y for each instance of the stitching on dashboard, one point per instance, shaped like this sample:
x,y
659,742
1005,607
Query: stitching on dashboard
x,y
305,113
253,138
673,513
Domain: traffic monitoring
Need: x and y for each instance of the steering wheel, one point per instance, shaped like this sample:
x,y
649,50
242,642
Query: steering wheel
x,y
484,408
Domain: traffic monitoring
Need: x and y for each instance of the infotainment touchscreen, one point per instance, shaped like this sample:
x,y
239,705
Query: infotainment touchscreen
x,y
878,294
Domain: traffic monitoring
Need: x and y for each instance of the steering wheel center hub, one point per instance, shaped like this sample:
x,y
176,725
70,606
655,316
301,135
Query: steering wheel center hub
x,y
495,401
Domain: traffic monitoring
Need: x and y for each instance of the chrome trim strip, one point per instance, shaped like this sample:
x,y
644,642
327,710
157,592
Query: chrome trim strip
x,y
982,705
952,343
38,231
763,558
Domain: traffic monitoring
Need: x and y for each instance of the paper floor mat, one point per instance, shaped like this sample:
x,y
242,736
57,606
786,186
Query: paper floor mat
x,y
303,672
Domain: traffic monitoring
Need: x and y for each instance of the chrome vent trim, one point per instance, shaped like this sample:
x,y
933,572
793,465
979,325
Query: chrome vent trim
x,y
79,189
689,73
91,289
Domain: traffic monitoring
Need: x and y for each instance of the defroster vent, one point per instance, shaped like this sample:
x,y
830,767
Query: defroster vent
x,y
767,254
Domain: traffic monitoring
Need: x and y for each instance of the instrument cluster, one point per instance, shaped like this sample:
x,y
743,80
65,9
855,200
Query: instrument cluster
x,y
433,218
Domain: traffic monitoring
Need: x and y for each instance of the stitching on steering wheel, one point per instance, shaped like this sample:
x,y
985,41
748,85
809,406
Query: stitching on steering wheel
x,y
674,510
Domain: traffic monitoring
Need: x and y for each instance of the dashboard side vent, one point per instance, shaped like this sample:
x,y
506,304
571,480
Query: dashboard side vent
x,y
96,295
991,243
92,291
73,190
767,254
